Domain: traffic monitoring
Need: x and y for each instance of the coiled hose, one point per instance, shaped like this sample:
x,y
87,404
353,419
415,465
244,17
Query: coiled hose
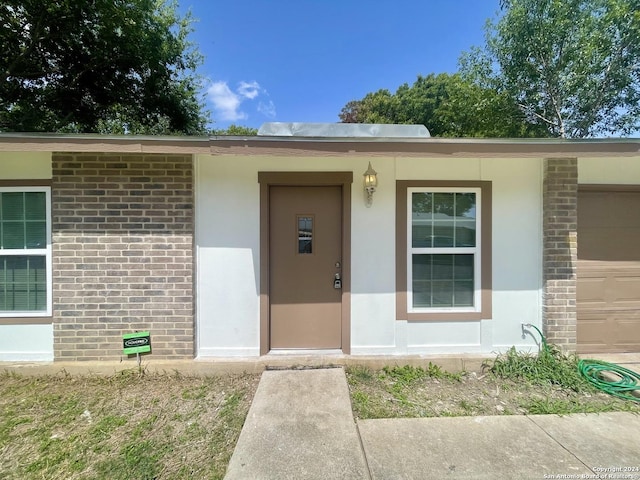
x,y
626,385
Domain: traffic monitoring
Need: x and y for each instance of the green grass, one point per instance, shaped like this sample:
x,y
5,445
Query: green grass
x,y
126,426
511,383
548,367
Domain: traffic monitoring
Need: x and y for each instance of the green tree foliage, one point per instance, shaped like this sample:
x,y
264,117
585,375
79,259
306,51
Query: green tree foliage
x,y
236,130
447,105
104,66
572,66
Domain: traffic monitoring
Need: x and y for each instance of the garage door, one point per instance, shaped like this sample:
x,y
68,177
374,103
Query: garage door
x,y
608,271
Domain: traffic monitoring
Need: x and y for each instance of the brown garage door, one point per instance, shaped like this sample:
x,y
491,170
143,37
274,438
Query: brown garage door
x,y
608,271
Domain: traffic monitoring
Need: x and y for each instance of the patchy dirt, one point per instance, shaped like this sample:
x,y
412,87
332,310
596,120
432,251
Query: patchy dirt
x,y
377,394
123,426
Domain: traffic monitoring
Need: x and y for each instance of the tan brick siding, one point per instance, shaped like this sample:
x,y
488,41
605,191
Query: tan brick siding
x,y
122,254
560,208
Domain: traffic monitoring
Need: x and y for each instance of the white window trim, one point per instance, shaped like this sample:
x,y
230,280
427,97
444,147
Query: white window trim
x,y
476,251
46,252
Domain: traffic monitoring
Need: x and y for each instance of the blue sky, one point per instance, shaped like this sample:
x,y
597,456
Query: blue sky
x,y
303,60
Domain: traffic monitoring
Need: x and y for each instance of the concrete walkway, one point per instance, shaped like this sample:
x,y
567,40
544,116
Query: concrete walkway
x,y
300,426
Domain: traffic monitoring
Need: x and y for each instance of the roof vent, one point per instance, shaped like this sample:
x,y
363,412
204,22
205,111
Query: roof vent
x,y
347,130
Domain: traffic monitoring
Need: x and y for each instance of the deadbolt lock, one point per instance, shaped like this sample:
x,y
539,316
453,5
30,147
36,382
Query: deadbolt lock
x,y
337,282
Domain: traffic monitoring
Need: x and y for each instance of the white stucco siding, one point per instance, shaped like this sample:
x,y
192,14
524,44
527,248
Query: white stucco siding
x,y
517,248
609,171
228,256
516,255
373,274
26,343
25,165
228,253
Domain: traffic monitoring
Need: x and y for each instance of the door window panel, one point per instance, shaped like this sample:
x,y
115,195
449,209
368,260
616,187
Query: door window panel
x,y
305,234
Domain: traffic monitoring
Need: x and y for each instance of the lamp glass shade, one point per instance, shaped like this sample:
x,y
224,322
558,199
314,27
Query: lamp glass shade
x,y
370,177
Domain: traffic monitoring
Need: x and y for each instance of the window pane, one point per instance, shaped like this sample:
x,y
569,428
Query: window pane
x,y
23,220
463,267
443,220
12,235
465,233
444,205
12,206
466,205
421,294
422,202
442,294
36,233
35,206
23,284
465,219
442,280
463,294
443,233
305,234
442,267
422,219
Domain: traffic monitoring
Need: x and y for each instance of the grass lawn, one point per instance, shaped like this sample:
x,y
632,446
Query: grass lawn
x,y
511,384
169,426
125,426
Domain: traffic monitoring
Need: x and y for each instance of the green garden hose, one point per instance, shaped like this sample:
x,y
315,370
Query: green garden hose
x,y
627,384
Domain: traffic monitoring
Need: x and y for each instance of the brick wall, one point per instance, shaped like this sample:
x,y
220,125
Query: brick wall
x,y
122,254
560,250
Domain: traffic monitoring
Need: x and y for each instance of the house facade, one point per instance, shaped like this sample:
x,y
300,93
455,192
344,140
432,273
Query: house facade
x,y
247,246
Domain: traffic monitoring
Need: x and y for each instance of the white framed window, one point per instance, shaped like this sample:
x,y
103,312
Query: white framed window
x,y
443,249
25,251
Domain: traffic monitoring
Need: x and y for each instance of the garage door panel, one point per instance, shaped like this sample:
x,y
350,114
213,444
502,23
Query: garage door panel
x,y
614,291
591,290
626,290
627,334
590,334
608,286
617,332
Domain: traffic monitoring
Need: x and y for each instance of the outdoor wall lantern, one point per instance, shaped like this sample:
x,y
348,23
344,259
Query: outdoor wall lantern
x,y
370,183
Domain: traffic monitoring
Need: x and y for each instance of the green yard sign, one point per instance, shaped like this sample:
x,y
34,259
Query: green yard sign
x,y
137,342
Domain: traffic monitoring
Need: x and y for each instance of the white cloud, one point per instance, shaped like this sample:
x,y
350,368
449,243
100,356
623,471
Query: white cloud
x,y
226,102
267,109
249,90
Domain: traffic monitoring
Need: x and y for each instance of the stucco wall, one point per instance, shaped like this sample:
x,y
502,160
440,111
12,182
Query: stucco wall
x,y
25,165
228,249
606,171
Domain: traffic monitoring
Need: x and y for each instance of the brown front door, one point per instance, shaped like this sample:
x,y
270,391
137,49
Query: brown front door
x,y
608,294
305,254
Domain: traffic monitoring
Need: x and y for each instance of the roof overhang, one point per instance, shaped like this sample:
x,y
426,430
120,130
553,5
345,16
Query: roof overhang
x,y
322,146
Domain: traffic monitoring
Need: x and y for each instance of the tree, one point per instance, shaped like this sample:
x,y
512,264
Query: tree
x,y
103,66
572,66
447,105
236,130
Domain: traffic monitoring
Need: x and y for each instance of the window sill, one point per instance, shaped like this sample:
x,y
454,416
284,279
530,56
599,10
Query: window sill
x,y
26,320
460,316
